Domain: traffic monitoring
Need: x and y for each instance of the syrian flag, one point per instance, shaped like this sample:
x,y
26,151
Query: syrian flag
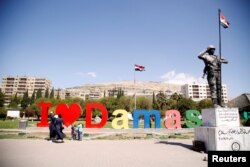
x,y
139,68
223,21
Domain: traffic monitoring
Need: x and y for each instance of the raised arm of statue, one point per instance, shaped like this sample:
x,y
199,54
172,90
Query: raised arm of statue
x,y
201,54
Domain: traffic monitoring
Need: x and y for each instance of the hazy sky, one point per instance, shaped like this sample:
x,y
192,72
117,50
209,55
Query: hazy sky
x,y
76,42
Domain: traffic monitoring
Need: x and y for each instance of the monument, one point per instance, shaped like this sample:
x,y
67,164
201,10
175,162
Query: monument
x,y
221,130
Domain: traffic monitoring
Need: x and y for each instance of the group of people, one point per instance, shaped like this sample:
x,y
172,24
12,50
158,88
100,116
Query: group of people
x,y
56,129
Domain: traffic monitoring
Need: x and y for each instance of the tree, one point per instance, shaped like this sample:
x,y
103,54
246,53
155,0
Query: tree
x,y
125,103
161,100
185,104
32,99
120,93
1,99
143,102
14,101
46,93
104,93
39,94
58,95
154,102
52,94
26,100
205,103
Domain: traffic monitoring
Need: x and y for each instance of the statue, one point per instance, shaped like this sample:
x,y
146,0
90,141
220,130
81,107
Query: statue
x,y
213,70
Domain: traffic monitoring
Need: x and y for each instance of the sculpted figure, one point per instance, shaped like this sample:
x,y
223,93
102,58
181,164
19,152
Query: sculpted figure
x,y
212,70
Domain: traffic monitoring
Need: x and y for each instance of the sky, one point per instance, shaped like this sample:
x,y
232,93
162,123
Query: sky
x,y
77,42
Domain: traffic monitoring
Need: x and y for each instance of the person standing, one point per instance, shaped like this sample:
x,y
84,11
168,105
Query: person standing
x,y
80,131
59,128
52,128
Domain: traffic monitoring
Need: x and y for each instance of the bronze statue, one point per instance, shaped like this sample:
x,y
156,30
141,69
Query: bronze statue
x,y
213,71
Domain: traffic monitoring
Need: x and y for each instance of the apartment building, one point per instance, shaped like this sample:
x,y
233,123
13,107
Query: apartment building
x,y
19,85
199,92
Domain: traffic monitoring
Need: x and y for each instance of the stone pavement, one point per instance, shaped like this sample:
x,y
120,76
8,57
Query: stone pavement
x,y
99,153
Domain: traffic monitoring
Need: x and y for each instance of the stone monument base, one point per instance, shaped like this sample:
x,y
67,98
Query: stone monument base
x,y
220,117
224,138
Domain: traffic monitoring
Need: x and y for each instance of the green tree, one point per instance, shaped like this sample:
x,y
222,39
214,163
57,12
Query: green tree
x,y
14,101
176,96
125,103
52,94
120,93
143,102
205,103
161,100
1,99
185,104
154,103
58,95
111,104
39,94
25,100
32,99
46,93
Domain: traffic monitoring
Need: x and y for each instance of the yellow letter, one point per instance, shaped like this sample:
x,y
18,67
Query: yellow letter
x,y
123,119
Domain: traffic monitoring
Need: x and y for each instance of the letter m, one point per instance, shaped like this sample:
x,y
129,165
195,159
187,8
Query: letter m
x,y
147,114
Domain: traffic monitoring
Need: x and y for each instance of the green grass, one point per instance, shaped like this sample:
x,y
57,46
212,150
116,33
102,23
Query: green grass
x,y
9,124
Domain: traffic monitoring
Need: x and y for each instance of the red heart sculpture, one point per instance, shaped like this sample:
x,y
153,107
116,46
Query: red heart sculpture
x,y
69,114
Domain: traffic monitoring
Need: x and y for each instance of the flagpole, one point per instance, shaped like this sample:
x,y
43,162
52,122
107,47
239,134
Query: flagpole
x,y
134,90
219,86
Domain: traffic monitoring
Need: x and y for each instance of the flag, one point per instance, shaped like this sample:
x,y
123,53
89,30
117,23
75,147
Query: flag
x,y
139,68
223,21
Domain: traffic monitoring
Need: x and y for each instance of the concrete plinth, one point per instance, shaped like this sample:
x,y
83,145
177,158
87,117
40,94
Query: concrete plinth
x,y
221,130
224,138
214,117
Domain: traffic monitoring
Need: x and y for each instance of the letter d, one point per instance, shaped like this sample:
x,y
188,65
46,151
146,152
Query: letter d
x,y
102,108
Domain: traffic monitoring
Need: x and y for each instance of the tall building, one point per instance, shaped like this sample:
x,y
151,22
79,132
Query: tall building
x,y
199,92
19,85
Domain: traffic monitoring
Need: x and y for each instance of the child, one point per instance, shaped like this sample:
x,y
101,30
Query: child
x,y
80,130
73,132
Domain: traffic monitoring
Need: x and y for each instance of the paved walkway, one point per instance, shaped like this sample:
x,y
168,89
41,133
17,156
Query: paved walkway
x,y
99,153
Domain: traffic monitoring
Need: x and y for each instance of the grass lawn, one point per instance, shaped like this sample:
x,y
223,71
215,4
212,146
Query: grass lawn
x,y
9,124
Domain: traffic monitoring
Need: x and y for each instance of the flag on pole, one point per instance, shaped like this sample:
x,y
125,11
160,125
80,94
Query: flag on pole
x,y
139,68
223,21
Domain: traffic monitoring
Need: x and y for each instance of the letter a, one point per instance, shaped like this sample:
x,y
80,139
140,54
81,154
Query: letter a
x,y
173,119
123,119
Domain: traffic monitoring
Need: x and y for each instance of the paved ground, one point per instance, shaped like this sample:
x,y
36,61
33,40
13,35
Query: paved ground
x,y
99,153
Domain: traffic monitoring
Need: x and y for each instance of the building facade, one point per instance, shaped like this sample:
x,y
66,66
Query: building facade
x,y
19,85
199,92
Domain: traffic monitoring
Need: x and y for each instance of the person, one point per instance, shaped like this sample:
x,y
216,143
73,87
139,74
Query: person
x,y
212,70
52,128
73,132
59,128
80,131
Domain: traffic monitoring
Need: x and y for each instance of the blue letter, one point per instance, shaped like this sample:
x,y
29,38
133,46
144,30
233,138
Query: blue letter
x,y
147,115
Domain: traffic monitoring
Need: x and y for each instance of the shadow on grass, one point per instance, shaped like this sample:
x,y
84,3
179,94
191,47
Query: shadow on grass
x,y
187,146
